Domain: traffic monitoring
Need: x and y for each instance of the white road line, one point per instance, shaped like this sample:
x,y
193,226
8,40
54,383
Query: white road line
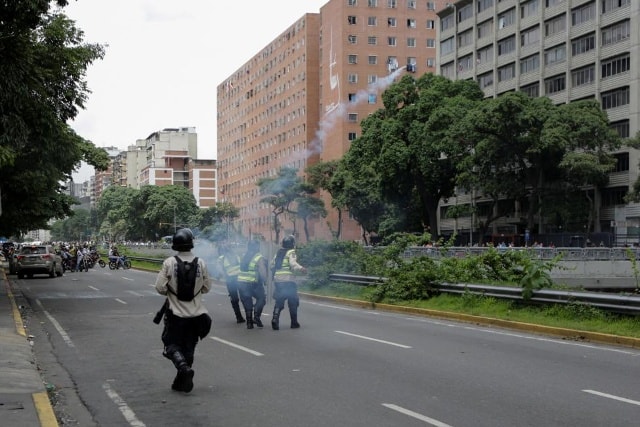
x,y
239,347
94,288
374,339
135,293
57,325
121,302
128,413
415,415
611,396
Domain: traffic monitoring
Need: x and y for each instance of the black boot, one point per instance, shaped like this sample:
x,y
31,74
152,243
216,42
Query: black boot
x,y
184,378
293,311
275,320
238,313
249,320
256,319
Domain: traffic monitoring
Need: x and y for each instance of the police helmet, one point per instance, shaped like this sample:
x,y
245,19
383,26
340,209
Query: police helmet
x,y
289,242
182,240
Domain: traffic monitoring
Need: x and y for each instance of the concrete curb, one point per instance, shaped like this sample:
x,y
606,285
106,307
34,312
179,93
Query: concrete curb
x,y
569,334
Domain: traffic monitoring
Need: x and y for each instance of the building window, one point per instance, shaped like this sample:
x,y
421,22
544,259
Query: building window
x,y
372,98
555,55
615,98
622,129
465,63
372,3
352,39
372,21
583,76
465,38
551,3
613,196
530,36
352,2
351,97
532,90
372,78
431,5
411,4
431,62
392,63
391,41
485,55
411,42
615,33
530,64
612,66
411,23
484,5
351,20
485,80
392,22
528,9
431,24
609,5
411,64
555,25
507,18
507,72
446,47
431,42
373,60
485,29
445,23
583,44
353,117
506,46
448,70
465,12
555,84
352,136
353,59
583,14
372,40
392,4
352,78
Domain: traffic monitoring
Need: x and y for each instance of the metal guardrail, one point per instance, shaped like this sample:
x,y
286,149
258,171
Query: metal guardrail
x,y
622,304
543,253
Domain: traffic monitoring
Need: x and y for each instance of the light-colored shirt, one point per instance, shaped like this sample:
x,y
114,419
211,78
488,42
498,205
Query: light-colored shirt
x,y
167,276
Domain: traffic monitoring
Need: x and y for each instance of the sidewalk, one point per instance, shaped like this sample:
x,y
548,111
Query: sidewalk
x,y
23,398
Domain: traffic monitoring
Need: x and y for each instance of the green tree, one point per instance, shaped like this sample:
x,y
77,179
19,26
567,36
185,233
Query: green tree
x,y
43,62
170,206
321,177
310,207
114,205
216,221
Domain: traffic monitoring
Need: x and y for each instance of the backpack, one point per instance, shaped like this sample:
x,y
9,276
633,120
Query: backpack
x,y
187,273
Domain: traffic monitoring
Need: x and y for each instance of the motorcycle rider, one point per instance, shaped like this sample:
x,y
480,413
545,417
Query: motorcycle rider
x,y
227,269
284,267
114,256
252,280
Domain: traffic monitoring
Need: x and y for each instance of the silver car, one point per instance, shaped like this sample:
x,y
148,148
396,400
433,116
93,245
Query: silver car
x,y
38,259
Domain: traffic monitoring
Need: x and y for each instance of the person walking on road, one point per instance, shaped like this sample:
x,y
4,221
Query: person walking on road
x,y
285,267
185,318
252,280
228,268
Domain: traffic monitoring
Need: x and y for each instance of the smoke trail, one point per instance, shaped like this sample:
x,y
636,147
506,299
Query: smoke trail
x,y
329,120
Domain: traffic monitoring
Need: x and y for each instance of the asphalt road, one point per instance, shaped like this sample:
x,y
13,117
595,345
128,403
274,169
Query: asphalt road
x,y
99,350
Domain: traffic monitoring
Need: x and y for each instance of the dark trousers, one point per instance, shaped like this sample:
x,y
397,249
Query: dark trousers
x,y
233,289
180,335
286,291
249,292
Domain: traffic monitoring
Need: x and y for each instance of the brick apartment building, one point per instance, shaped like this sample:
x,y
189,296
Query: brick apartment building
x,y
301,98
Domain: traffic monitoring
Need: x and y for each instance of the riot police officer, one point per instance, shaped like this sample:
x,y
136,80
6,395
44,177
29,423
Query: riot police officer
x,y
285,267
228,268
252,280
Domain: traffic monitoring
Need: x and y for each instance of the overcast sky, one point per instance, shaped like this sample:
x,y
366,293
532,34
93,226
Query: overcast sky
x,y
164,60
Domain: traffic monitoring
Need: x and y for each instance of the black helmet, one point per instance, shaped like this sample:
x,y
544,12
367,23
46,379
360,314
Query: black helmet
x,y
182,240
289,242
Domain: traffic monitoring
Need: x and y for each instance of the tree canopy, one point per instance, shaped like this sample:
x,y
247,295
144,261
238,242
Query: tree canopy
x,y
43,61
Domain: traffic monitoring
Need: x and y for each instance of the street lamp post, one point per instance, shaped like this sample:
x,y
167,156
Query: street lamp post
x,y
175,225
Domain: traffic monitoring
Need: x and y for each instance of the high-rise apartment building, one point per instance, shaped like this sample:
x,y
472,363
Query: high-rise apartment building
x,y
566,50
300,99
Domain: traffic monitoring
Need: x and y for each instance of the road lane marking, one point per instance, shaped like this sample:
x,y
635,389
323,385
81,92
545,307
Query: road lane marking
x,y
94,288
126,411
56,325
415,415
374,339
126,278
121,302
239,347
611,396
135,293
